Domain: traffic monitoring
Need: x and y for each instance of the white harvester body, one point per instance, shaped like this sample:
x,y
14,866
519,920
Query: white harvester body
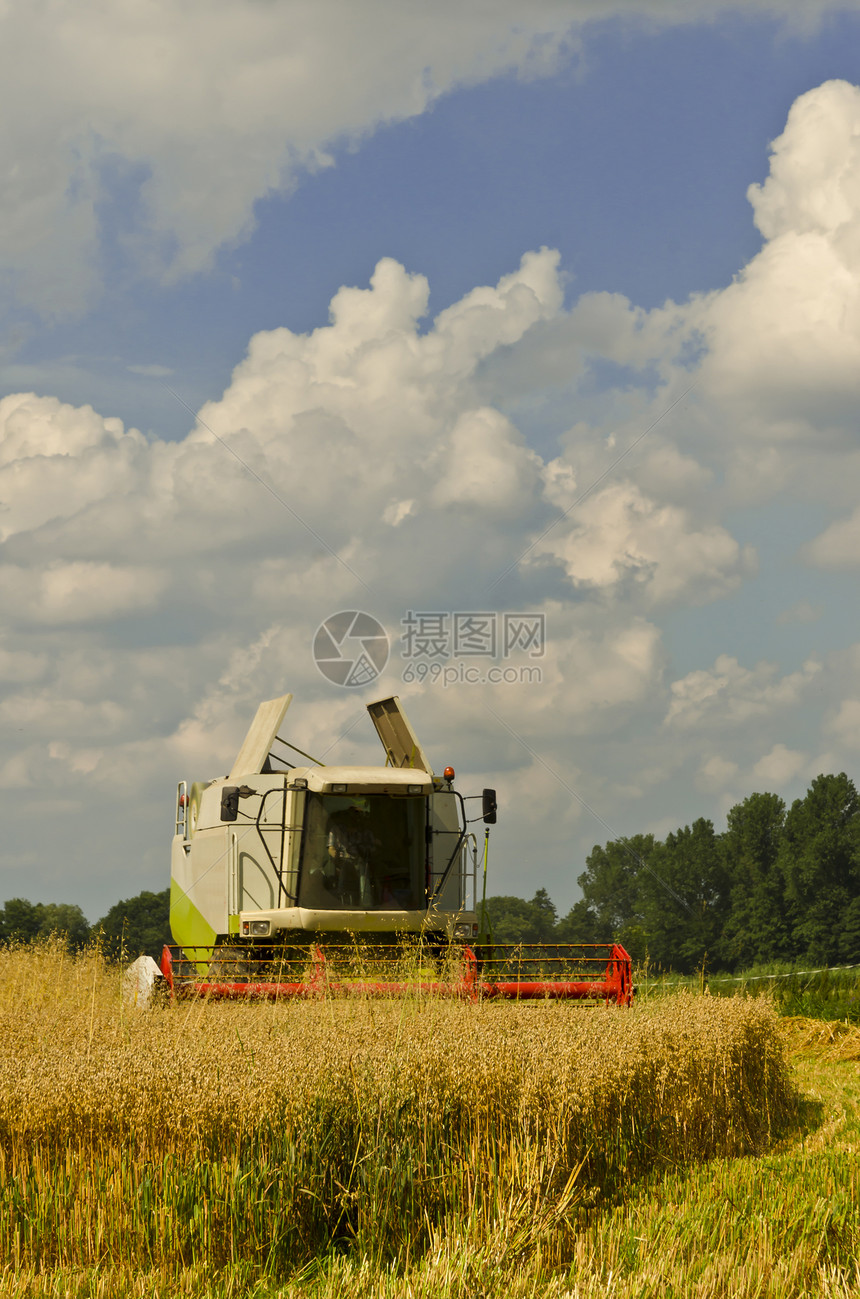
x,y
264,854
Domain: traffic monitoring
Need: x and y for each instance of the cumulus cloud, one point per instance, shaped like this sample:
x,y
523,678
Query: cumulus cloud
x,y
18,666
729,694
619,537
784,338
179,118
77,592
845,726
357,427
715,773
838,546
780,766
56,460
814,184
488,465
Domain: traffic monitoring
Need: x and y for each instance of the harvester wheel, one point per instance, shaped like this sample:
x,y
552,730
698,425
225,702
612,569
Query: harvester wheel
x,y
230,963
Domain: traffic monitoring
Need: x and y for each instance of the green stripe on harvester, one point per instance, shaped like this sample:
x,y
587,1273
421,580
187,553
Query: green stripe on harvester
x,y
189,927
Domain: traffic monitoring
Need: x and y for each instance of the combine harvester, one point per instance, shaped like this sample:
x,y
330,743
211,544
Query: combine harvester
x,y
302,881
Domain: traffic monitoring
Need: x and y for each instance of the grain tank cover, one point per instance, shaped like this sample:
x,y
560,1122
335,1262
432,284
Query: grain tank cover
x,y
261,736
398,738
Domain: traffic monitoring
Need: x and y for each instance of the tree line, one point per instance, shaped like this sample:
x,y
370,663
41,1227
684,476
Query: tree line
x,y
131,928
777,885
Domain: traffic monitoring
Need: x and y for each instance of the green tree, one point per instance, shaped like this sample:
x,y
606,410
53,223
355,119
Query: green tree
x,y
22,922
665,901
820,861
67,919
849,933
611,890
137,926
684,898
513,920
547,913
757,926
19,921
580,925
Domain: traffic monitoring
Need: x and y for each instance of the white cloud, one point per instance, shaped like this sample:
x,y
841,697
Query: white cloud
x,y
845,726
620,538
487,466
56,460
397,511
729,695
785,337
195,112
32,426
37,712
598,666
780,766
838,546
18,666
358,426
715,773
77,592
814,181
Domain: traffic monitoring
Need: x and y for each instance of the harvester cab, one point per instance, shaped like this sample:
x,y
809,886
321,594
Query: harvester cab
x,y
277,852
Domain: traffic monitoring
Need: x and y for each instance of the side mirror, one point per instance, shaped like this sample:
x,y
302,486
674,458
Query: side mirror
x,y
230,803
490,806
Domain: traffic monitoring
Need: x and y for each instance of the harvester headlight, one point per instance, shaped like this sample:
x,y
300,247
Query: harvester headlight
x,y
259,928
338,789
414,789
299,783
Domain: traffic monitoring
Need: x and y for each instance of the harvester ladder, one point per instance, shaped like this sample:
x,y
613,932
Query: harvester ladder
x,y
285,895
182,808
460,856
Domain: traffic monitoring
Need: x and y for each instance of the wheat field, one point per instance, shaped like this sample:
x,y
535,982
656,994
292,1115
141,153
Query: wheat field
x,y
366,1147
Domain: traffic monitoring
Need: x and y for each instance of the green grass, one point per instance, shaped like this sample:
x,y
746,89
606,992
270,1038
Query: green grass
x,y
828,994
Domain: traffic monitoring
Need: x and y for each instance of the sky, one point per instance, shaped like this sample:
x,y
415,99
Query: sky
x,y
531,332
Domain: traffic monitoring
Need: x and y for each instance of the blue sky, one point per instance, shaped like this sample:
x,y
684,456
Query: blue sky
x,y
700,601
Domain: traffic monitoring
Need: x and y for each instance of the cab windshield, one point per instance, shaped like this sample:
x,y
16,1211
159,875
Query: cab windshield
x,y
363,852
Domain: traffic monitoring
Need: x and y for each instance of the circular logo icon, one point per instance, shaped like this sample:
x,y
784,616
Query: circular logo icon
x,y
351,648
